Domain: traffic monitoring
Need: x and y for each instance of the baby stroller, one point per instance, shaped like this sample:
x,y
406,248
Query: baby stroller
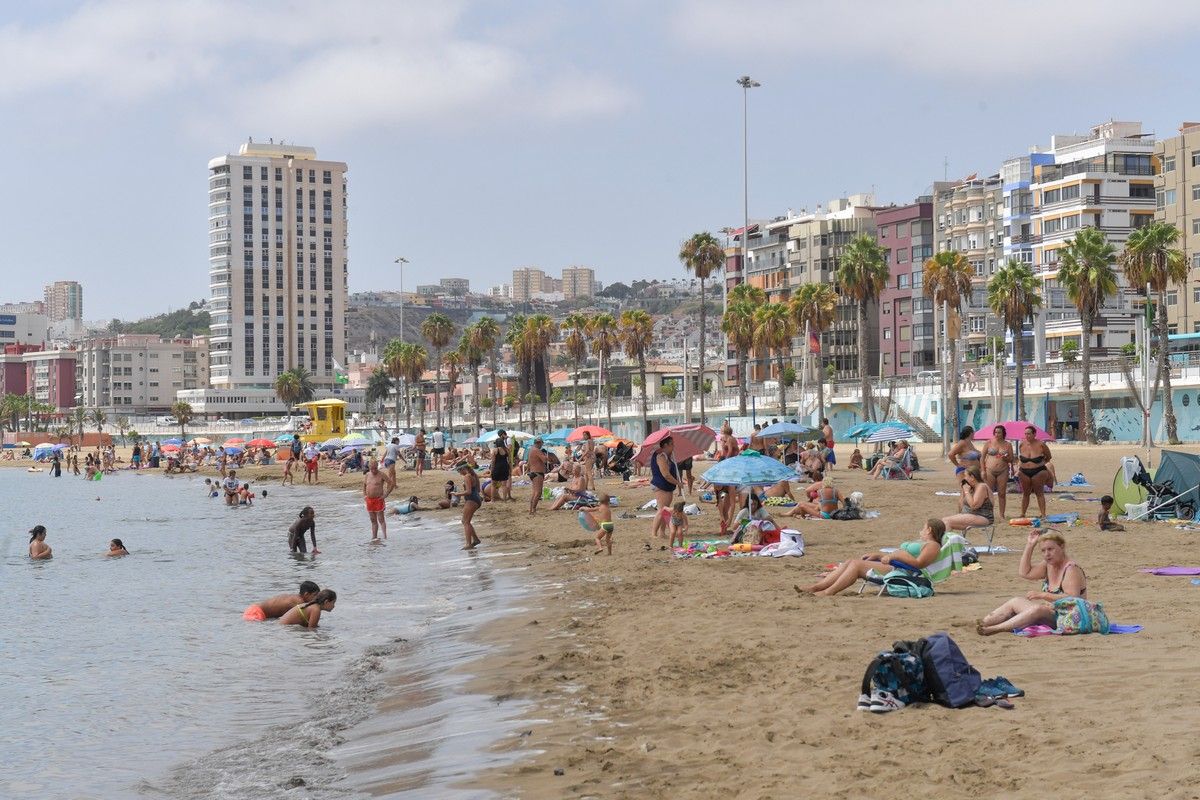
x,y
1164,500
618,460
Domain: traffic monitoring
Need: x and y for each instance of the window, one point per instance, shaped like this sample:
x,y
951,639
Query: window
x,y
1196,226
1169,164
905,333
1196,158
902,281
887,333
918,278
1196,294
247,173
1160,199
1172,298
1196,263
903,305
1169,197
902,255
904,357
1141,190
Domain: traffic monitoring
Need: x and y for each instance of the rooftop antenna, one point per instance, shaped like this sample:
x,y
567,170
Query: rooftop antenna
x,y
945,168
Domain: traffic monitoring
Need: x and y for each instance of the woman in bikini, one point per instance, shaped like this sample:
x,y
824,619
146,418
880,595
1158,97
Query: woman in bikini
x,y
1033,471
1060,577
472,500
975,503
963,454
827,500
997,462
919,554
309,614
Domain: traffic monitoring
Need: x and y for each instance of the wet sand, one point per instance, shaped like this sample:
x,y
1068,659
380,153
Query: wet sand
x,y
656,677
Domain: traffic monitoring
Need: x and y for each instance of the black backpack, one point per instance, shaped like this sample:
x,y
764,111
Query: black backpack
x,y
949,677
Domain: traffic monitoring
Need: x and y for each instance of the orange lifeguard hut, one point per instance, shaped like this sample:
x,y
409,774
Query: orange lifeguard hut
x,y
328,418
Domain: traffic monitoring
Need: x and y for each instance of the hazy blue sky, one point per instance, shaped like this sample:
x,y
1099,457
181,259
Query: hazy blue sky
x,y
487,135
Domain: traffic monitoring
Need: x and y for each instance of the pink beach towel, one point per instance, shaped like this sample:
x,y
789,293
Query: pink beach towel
x,y
1171,570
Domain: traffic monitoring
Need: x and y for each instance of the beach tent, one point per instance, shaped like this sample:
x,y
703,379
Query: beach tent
x,y
1183,470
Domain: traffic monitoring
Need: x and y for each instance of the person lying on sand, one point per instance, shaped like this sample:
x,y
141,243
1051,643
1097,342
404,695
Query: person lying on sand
x,y
781,489
1060,577
308,614
275,607
919,554
826,502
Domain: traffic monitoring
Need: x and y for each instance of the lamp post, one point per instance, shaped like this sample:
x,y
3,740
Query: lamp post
x,y
401,261
747,83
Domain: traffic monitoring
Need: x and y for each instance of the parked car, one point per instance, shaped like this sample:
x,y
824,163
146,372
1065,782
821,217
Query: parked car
x,y
166,422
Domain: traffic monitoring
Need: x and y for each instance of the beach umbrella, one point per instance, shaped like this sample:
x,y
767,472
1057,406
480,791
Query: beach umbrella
x,y
331,444
472,440
517,436
406,440
350,448
861,429
170,448
595,430
175,440
788,430
748,469
355,438
888,433
558,437
690,441
1013,429
260,443
201,440
283,438
237,440
234,451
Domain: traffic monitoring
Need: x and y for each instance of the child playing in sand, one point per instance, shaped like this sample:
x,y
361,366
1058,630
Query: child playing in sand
x,y
678,523
407,507
450,497
856,459
602,514
1106,523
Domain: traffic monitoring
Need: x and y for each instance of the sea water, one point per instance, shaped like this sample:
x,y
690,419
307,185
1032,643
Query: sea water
x,y
138,677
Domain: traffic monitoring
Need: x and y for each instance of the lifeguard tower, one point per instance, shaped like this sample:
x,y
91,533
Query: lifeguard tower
x,y
327,417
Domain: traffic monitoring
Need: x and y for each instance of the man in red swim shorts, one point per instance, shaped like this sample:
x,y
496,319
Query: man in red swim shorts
x,y
376,488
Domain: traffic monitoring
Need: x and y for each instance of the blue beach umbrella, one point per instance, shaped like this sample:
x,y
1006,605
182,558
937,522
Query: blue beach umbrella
x,y
788,430
748,469
234,451
557,438
861,429
175,440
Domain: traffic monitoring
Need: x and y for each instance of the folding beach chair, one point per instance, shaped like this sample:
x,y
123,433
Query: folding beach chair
x,y
902,471
991,532
949,561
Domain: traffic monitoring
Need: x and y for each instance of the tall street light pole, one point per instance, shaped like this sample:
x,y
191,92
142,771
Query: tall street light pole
x,y
401,261
747,83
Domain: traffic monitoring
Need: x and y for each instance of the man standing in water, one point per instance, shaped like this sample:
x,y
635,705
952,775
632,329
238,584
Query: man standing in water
x,y
376,488
536,468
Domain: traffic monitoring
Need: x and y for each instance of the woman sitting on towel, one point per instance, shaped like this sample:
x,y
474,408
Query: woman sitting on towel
x,y
975,502
825,502
1060,577
919,554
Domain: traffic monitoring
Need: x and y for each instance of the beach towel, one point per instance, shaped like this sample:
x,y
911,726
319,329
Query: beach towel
x,y
946,494
1171,570
1046,630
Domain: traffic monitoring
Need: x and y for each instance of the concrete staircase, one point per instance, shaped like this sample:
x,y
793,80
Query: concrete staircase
x,y
919,425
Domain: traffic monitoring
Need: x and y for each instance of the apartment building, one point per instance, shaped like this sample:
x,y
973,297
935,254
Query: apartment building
x,y
64,301
455,287
578,282
526,282
816,244
24,329
50,377
277,265
1177,200
1106,180
969,220
139,373
905,314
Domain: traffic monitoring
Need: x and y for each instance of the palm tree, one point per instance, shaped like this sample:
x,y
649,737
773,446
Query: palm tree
x,y
453,362
472,358
122,425
379,388
702,255
576,343
862,273
947,283
602,330
393,353
1085,270
183,414
438,330
540,331
98,419
514,337
1151,258
737,323
1013,294
814,306
637,334
412,359
294,386
486,336
76,422
774,328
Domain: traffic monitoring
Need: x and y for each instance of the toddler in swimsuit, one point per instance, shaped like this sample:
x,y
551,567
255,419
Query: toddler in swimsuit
x,y
603,515
678,524
1106,523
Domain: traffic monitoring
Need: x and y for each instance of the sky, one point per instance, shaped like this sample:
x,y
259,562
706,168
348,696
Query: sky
x,y
482,136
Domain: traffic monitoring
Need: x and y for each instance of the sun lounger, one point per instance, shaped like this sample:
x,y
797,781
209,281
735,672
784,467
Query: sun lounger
x,y
949,561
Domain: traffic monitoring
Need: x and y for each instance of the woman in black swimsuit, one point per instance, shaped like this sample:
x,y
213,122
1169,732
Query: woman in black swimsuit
x,y
1032,471
501,468
472,500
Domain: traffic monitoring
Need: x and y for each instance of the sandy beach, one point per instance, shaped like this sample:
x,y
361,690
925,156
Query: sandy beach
x,y
660,677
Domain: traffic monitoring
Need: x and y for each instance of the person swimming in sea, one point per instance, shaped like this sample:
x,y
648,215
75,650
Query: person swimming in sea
x,y
275,607
116,548
38,549
308,614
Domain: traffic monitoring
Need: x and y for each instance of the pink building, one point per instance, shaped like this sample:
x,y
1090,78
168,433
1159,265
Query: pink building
x,y
905,314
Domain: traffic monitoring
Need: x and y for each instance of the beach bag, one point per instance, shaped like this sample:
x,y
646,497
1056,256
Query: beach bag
x,y
901,674
901,584
848,511
1076,615
949,677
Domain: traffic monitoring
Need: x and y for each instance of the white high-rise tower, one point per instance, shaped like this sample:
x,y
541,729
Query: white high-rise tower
x,y
277,265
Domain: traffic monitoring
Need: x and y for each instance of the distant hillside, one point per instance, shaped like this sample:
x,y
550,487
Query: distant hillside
x,y
384,321
184,323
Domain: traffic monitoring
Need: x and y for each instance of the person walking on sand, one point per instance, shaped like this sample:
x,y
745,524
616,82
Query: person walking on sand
x,y
38,549
472,500
391,454
275,607
288,477
536,468
312,456
375,492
